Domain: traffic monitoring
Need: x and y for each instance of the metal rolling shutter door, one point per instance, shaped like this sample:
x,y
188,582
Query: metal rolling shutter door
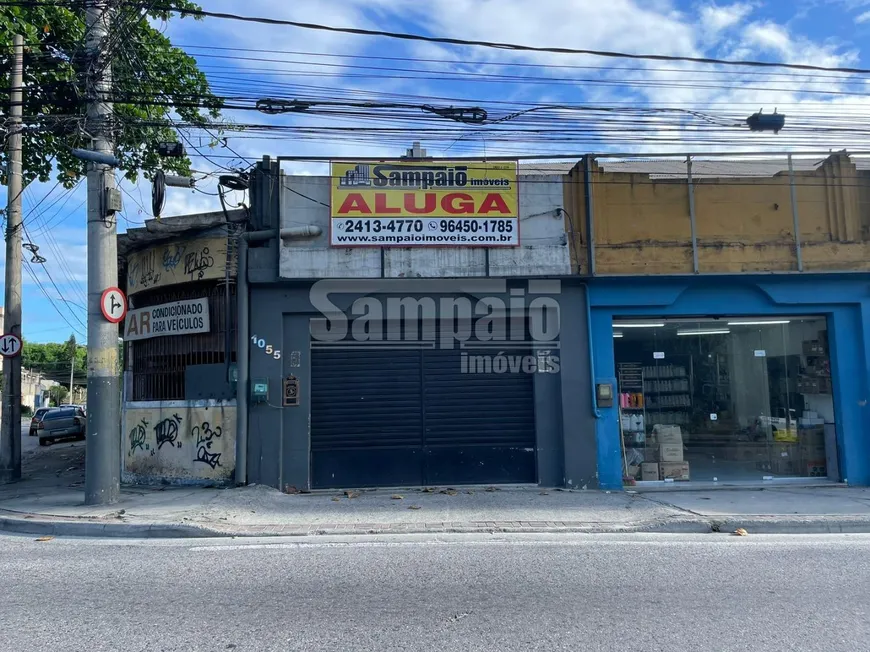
x,y
366,418
478,427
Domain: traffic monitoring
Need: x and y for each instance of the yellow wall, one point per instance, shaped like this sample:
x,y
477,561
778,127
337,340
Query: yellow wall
x,y
176,262
179,440
642,225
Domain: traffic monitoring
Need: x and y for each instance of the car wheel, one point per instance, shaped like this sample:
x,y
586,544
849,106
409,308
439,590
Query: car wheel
x,y
44,442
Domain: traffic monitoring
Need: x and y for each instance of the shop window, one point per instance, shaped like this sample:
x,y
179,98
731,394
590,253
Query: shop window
x,y
725,400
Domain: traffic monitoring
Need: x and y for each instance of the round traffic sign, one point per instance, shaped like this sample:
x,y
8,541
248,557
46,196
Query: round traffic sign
x,y
113,304
10,345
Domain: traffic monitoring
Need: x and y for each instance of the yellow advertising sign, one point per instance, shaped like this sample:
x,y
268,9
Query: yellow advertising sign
x,y
428,203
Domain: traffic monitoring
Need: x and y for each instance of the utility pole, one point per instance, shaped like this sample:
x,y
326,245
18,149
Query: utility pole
x,y
72,366
10,421
103,451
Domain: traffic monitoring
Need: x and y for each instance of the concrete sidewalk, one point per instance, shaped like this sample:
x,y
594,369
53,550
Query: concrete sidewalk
x,y
50,501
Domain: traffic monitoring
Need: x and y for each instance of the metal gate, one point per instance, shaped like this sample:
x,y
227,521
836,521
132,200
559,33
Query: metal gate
x,y
416,417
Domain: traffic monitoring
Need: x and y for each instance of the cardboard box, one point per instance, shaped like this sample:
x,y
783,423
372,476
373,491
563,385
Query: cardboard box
x,y
671,453
649,471
650,454
669,435
816,468
674,470
809,453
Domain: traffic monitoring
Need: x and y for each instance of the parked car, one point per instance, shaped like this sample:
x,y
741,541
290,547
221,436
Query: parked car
x,y
60,423
37,417
74,405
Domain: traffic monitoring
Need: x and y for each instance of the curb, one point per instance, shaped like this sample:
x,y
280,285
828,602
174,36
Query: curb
x,y
73,527
92,528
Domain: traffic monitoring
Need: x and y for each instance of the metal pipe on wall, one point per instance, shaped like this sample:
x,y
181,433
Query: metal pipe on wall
x,y
692,214
242,358
794,215
592,380
590,223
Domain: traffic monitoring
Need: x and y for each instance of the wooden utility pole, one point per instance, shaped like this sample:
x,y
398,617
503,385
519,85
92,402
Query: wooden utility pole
x,y
10,422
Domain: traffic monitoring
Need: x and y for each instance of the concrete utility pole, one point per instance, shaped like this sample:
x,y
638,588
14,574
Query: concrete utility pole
x,y
10,432
72,366
103,452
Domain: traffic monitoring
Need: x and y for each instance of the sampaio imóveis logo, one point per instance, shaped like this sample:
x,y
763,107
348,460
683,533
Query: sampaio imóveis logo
x,y
420,177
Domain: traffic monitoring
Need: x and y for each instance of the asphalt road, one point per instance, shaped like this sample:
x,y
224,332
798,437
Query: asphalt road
x,y
598,592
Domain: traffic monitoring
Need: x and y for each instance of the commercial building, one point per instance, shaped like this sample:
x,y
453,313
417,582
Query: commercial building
x,y
426,322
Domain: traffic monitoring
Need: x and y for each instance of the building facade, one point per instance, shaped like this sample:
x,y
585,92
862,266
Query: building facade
x,y
654,321
179,408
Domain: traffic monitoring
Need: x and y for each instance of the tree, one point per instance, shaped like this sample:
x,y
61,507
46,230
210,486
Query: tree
x,y
57,394
53,359
152,82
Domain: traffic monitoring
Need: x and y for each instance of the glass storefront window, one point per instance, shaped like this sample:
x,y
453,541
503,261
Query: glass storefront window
x,y
724,400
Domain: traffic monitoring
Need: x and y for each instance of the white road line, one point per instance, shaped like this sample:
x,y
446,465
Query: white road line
x,y
720,540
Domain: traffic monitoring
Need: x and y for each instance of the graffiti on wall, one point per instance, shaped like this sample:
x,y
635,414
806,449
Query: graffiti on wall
x,y
197,263
166,431
176,262
138,436
205,435
179,441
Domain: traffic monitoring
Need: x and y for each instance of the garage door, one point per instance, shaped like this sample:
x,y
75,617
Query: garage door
x,y
411,417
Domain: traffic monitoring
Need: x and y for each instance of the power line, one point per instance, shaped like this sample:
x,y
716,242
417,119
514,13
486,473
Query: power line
x,y
505,46
50,300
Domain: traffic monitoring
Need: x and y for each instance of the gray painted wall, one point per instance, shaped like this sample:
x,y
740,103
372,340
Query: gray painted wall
x,y
278,444
543,251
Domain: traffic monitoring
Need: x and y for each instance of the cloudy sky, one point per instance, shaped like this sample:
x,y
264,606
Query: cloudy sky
x,y
248,60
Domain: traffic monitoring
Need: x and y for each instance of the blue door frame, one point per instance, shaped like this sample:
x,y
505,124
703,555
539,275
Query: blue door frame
x,y
843,299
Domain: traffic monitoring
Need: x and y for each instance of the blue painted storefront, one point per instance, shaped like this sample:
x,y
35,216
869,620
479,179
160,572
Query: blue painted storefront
x,y
843,299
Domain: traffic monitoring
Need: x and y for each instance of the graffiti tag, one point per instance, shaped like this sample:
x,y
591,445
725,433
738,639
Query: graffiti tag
x,y
204,435
144,272
167,431
197,262
172,258
137,436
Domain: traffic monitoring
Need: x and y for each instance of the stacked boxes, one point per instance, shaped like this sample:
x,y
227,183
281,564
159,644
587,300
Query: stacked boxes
x,y
806,457
812,451
668,463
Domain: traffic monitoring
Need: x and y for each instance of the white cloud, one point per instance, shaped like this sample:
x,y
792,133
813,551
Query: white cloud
x,y
863,18
715,19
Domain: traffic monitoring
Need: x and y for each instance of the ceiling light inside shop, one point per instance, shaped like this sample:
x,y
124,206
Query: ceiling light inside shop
x,y
759,322
638,324
701,331
617,334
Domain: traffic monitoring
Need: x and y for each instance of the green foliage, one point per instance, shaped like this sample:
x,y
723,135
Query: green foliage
x,y
53,359
156,79
57,394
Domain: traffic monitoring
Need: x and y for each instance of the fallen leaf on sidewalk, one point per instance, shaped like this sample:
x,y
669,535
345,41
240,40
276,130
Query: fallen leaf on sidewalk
x,y
351,494
396,497
740,532
336,499
543,493
470,492
413,507
491,489
428,490
44,539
